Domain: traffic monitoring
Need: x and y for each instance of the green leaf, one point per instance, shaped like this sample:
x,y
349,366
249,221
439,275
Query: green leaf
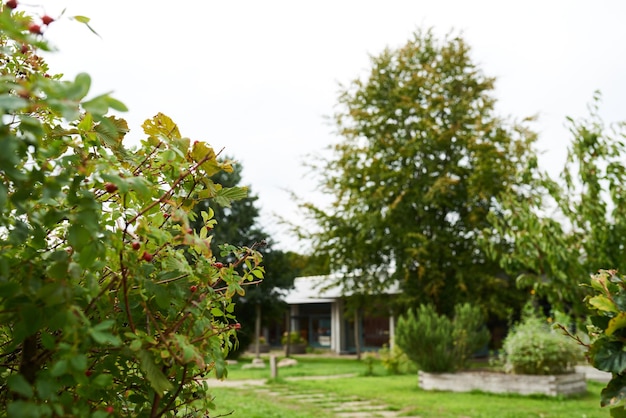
x,y
47,387
610,357
11,103
80,88
100,334
97,106
78,236
78,362
226,196
58,270
614,393
102,380
31,318
18,384
23,409
88,254
3,197
135,345
82,19
59,368
155,377
618,412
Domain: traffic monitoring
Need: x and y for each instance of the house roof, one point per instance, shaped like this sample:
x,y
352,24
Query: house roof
x,y
319,289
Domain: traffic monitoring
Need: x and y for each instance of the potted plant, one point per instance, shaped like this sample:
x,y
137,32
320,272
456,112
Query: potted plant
x,y
296,342
264,347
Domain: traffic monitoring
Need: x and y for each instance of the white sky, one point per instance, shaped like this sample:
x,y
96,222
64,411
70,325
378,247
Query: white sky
x,y
258,77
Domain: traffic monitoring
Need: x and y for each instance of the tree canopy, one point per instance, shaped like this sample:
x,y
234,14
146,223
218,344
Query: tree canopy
x,y
563,230
421,159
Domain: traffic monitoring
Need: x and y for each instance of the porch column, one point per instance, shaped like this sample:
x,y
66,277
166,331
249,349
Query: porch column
x,y
336,330
392,330
293,321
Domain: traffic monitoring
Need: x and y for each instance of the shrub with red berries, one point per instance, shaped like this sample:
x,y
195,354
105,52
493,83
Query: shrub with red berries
x,y
108,303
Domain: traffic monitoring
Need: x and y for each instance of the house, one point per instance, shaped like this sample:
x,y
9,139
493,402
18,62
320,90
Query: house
x,y
317,310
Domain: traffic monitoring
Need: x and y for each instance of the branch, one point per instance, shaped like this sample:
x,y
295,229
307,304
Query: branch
x,y
175,394
167,194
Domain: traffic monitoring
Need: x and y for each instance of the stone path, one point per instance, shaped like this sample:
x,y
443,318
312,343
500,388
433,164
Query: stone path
x,y
342,407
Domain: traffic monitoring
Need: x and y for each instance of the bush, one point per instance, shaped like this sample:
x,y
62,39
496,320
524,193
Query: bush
x,y
533,347
395,361
294,338
437,343
110,302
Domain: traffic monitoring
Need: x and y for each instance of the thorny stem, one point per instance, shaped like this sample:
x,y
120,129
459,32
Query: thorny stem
x,y
136,170
102,291
175,394
155,405
574,337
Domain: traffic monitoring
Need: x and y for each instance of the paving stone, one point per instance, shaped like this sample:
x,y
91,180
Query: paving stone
x,y
307,397
358,406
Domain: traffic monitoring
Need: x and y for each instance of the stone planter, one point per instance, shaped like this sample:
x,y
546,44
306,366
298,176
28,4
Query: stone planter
x,y
296,348
263,348
493,382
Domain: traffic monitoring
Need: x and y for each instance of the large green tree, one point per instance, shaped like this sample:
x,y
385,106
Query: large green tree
x,y
420,161
565,229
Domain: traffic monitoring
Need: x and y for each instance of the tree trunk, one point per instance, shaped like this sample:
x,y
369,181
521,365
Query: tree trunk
x,y
357,334
257,330
288,343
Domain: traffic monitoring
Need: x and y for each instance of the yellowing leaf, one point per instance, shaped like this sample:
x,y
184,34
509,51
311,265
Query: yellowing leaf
x,y
602,303
161,126
616,323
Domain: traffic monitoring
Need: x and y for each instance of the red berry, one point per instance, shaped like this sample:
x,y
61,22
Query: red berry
x,y
110,187
24,49
218,265
34,28
166,215
146,256
237,325
88,373
136,245
193,288
189,231
11,4
109,409
46,20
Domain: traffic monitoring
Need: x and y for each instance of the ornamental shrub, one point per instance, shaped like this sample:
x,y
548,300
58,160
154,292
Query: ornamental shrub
x,y
533,347
294,338
110,303
395,361
440,344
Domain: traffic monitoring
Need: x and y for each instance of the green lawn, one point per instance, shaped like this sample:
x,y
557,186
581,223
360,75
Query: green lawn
x,y
307,366
401,393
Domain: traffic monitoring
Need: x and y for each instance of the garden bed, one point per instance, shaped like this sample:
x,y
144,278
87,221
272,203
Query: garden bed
x,y
494,382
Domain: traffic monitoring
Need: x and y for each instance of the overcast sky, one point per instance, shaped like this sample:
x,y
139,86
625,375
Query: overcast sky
x,y
259,77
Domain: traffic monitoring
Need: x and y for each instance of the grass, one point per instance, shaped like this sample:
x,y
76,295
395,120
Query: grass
x,y
400,392
307,366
